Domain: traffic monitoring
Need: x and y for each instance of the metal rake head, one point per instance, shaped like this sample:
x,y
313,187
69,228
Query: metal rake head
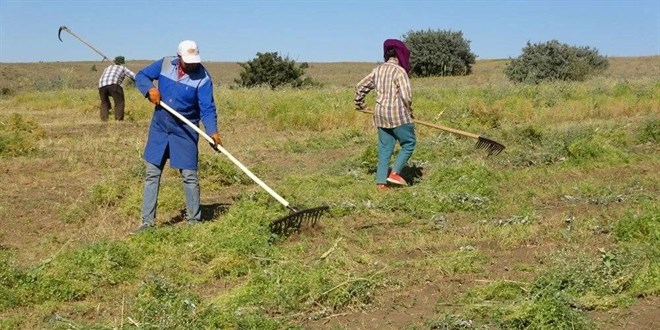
x,y
493,147
296,219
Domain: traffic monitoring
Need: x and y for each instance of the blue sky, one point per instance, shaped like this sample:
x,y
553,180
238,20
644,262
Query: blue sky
x,y
316,31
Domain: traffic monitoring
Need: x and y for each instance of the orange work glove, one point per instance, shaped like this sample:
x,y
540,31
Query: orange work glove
x,y
154,95
216,138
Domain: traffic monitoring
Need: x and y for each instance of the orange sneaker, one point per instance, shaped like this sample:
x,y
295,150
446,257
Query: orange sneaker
x,y
396,179
382,187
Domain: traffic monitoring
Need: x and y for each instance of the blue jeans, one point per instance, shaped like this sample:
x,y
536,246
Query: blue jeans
x,y
387,138
152,185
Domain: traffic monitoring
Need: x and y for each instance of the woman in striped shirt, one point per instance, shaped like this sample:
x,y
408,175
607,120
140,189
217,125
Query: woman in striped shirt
x,y
393,112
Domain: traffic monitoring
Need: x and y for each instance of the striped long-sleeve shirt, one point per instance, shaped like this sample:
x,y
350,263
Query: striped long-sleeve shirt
x,y
115,74
394,97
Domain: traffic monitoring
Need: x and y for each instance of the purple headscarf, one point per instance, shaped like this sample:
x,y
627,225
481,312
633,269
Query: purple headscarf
x,y
402,52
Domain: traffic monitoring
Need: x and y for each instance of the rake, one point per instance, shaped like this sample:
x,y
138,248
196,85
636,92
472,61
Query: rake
x,y
282,226
493,147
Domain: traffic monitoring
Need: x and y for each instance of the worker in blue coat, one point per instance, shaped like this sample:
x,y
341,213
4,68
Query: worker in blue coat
x,y
185,85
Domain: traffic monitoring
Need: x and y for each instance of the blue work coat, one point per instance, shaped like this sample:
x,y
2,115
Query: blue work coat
x,y
191,96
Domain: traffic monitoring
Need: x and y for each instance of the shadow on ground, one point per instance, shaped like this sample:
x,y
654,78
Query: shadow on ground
x,y
412,174
209,213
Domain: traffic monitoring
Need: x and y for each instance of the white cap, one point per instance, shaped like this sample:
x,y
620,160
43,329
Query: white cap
x,y
189,52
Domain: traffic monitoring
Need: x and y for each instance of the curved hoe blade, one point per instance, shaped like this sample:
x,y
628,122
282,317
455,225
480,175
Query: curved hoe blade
x,y
59,32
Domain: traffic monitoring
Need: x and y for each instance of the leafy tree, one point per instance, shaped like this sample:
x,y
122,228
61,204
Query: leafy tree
x,y
272,70
439,53
553,60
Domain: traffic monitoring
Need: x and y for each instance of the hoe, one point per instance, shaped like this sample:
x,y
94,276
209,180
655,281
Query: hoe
x,y
64,28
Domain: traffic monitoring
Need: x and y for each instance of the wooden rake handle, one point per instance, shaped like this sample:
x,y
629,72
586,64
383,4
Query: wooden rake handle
x,y
444,128
228,155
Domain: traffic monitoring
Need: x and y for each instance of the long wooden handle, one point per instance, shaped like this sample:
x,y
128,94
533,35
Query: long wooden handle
x,y
444,128
64,28
226,153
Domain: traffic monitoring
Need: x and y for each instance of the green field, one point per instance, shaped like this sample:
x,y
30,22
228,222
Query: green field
x,y
560,231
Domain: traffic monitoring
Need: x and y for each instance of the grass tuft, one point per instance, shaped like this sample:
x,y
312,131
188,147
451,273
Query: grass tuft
x,y
18,135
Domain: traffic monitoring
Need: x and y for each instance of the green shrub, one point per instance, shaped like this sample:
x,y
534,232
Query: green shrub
x,y
272,70
439,53
553,60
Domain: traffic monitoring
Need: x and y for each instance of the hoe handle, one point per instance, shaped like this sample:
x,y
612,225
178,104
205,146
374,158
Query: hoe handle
x,y
64,28
444,128
226,153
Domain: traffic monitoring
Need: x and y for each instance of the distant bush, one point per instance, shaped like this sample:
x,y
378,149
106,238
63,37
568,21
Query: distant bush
x,y
552,60
439,53
272,70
